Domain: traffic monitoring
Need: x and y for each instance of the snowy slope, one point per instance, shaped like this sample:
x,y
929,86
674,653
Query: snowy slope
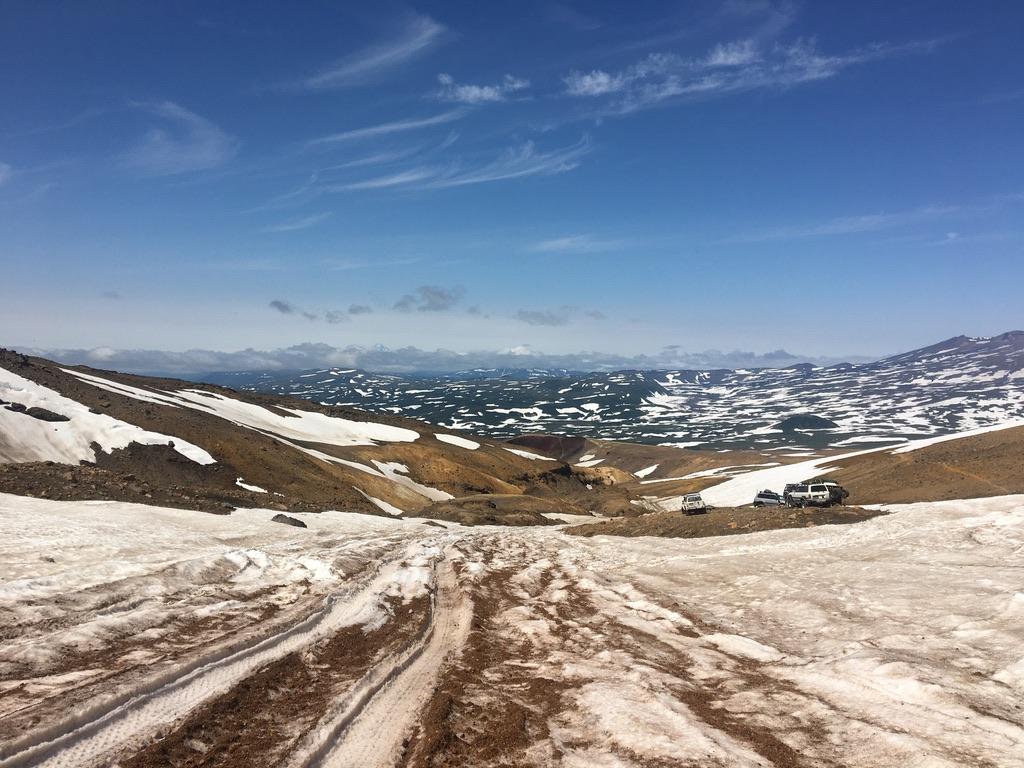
x,y
24,438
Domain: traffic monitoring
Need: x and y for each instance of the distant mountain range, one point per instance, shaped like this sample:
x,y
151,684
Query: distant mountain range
x,y
955,385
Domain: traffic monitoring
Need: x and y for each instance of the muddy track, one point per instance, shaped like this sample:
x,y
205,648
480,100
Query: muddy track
x,y
243,727
506,702
90,735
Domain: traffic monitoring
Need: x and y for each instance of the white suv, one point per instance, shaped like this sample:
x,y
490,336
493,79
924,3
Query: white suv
x,y
693,504
812,494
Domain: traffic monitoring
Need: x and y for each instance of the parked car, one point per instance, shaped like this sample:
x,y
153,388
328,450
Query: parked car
x,y
805,494
693,504
817,494
768,499
839,493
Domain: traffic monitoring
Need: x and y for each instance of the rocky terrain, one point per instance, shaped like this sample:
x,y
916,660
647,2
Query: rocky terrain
x,y
955,385
723,521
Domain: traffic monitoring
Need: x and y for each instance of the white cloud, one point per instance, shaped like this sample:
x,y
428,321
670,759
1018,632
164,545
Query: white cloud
x,y
383,129
733,54
304,223
418,34
727,68
184,143
479,94
594,83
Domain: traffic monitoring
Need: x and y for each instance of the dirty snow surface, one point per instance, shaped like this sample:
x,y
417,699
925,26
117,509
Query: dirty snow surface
x,y
142,636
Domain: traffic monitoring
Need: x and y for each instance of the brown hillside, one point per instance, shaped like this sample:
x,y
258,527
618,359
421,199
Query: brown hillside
x,y
991,464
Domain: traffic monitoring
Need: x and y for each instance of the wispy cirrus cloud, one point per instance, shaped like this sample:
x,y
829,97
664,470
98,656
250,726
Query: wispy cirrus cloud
x,y
932,214
5,173
416,36
183,143
733,67
375,158
479,94
384,129
584,243
516,162
399,179
347,265
851,225
296,224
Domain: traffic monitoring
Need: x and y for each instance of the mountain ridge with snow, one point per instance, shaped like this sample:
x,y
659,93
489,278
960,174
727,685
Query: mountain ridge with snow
x,y
954,385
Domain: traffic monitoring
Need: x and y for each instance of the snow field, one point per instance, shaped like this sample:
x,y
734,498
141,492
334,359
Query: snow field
x,y
894,641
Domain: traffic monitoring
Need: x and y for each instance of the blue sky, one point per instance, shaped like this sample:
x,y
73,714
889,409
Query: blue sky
x,y
835,179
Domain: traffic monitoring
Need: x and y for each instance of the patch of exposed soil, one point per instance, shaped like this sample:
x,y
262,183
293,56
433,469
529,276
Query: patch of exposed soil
x,y
485,710
724,521
603,490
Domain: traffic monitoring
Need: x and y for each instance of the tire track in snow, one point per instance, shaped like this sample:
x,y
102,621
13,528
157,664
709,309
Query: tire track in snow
x,y
94,735
369,727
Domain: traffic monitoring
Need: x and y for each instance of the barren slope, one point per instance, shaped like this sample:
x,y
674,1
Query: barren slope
x,y
990,464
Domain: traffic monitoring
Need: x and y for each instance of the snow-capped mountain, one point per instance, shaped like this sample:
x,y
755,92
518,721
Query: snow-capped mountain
x,y
958,384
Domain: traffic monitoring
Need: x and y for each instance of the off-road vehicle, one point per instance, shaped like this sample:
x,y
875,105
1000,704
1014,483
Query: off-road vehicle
x,y
693,504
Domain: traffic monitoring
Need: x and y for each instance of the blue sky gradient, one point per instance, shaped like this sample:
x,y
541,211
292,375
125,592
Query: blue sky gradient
x,y
836,179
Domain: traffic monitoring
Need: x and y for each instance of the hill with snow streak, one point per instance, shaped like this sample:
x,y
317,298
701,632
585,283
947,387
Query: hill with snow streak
x,y
956,385
78,433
